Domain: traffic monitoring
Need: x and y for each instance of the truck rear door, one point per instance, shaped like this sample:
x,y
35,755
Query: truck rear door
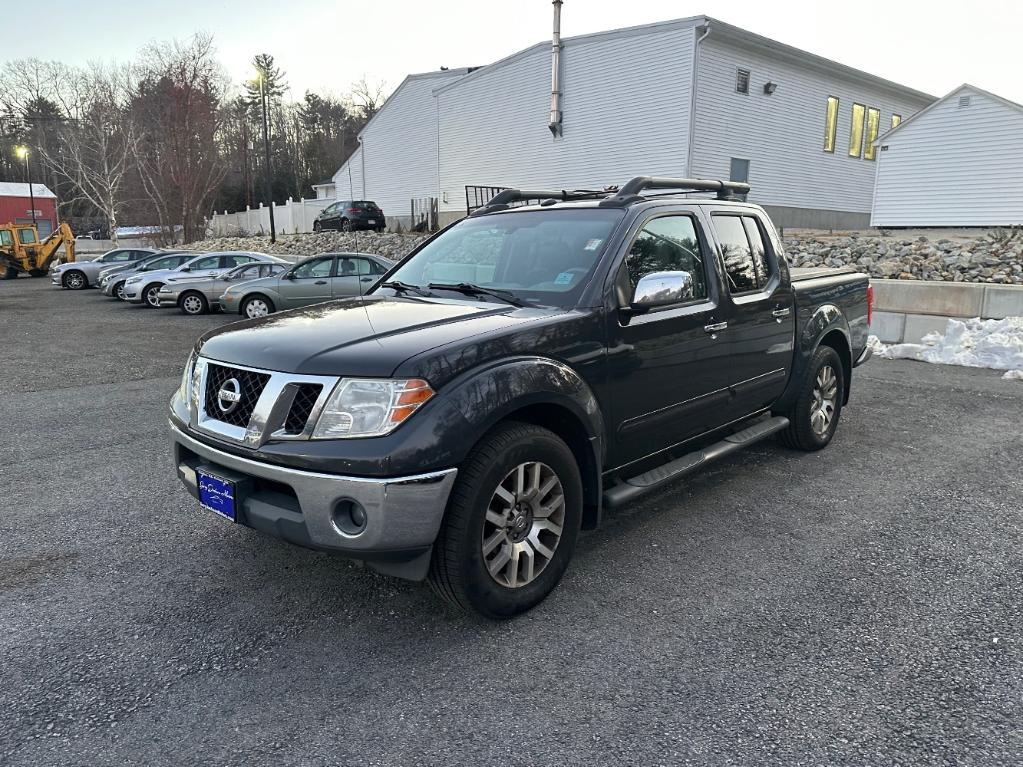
x,y
761,321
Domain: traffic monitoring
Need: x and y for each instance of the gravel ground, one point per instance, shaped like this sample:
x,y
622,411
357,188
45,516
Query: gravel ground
x,y
857,606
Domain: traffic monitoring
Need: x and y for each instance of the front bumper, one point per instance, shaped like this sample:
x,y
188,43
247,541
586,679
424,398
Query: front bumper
x,y
403,514
133,293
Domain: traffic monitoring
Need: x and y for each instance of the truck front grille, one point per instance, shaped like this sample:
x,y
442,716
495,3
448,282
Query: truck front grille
x,y
301,408
250,386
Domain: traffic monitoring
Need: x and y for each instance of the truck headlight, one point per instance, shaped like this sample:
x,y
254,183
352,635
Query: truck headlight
x,y
370,407
186,379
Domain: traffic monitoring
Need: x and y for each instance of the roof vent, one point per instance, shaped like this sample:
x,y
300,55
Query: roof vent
x,y
964,101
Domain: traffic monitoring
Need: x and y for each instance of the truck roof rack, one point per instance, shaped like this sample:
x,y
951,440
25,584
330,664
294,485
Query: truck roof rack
x,y
616,196
726,190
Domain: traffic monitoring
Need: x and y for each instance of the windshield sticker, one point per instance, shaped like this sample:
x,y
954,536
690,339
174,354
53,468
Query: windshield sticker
x,y
565,278
593,244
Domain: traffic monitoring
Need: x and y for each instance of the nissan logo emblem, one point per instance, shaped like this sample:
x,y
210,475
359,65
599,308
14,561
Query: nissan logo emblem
x,y
229,395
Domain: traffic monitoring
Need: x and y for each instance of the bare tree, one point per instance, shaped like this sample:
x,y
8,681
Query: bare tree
x,y
368,97
177,110
95,152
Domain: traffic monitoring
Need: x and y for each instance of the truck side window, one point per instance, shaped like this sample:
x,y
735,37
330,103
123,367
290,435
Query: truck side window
x,y
737,254
759,252
667,244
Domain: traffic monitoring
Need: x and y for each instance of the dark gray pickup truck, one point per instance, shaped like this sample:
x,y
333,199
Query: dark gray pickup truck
x,y
550,357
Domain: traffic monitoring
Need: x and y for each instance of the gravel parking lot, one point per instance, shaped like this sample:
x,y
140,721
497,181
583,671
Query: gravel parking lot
x,y
857,606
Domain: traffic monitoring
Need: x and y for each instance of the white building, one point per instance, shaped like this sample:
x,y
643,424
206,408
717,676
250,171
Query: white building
x,y
959,162
693,97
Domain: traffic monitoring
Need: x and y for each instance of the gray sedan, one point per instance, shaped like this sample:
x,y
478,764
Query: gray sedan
x,y
145,288
83,274
197,295
317,279
111,282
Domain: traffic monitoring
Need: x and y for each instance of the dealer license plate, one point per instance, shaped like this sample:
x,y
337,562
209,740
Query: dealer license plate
x,y
216,494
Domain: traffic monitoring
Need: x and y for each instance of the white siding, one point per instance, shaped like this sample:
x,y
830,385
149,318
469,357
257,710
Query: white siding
x,y
954,166
348,179
626,112
782,135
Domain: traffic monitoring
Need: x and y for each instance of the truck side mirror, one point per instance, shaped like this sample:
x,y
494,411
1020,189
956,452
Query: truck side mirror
x,y
661,289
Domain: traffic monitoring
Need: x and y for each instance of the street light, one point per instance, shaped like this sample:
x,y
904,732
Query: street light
x,y
22,152
266,148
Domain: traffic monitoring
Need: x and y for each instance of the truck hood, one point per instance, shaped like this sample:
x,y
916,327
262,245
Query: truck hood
x,y
352,337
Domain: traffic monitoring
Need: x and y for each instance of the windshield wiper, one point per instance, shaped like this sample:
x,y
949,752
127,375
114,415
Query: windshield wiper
x,y
471,289
403,287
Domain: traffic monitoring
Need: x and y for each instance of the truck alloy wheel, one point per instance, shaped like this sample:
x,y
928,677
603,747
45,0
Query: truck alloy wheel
x,y
825,394
814,415
74,280
511,523
523,524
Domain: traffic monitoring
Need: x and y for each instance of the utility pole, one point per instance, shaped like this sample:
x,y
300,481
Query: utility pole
x,y
266,148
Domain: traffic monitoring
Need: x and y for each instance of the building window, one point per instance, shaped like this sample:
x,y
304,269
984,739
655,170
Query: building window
x,y
873,124
742,81
739,170
859,114
896,119
831,124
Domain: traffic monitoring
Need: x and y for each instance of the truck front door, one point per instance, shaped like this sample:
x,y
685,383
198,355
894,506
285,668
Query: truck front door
x,y
668,367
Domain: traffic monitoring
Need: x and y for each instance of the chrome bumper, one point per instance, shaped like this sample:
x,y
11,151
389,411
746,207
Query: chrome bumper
x,y
865,355
168,300
403,514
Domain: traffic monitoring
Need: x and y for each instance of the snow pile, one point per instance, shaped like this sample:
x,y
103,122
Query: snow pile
x,y
976,343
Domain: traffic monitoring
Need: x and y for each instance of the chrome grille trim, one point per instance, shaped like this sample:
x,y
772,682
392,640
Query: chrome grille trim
x,y
270,414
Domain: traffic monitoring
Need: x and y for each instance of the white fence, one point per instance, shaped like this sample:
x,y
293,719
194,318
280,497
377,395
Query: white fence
x,y
290,218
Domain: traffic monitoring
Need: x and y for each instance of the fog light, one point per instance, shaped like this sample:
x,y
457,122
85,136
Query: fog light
x,y
349,518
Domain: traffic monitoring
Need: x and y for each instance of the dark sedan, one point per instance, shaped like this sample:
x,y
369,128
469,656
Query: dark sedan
x,y
350,215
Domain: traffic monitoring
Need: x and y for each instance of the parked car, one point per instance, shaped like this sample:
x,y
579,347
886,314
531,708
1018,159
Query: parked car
x,y
317,279
79,274
350,215
197,295
145,288
516,374
112,279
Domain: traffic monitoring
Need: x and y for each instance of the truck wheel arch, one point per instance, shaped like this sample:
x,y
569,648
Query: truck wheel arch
x,y
534,390
828,326
840,343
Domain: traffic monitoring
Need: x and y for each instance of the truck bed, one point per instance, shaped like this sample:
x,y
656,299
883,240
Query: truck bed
x,y
801,274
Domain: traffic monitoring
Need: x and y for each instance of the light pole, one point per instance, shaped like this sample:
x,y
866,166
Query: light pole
x,y
266,148
22,152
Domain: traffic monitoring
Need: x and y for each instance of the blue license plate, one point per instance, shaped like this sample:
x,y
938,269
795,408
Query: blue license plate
x,y
216,494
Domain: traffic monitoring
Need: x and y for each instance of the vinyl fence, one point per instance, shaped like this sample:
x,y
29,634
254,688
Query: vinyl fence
x,y
290,218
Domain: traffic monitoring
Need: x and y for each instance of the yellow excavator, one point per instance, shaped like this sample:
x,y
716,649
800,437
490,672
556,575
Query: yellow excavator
x,y
21,250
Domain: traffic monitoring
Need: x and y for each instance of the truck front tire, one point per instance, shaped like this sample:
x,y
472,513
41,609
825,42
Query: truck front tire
x,y
814,416
511,523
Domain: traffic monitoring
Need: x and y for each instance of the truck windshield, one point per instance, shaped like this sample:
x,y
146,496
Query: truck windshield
x,y
538,256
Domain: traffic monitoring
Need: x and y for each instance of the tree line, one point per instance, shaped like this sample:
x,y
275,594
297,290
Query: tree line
x,y
166,139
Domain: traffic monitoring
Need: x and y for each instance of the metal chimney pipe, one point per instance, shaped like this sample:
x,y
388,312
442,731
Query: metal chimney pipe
x,y
555,123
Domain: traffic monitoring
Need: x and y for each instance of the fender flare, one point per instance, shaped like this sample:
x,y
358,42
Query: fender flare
x,y
825,319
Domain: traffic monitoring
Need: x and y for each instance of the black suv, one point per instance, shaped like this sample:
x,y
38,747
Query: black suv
x,y
350,215
517,374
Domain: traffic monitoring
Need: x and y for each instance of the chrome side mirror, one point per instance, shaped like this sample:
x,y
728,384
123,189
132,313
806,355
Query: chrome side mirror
x,y
661,289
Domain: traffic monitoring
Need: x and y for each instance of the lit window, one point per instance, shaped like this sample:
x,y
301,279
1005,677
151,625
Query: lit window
x,y
831,124
896,119
873,123
742,81
859,113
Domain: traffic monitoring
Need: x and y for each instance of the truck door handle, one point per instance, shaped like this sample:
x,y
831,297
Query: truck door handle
x,y
715,327
781,312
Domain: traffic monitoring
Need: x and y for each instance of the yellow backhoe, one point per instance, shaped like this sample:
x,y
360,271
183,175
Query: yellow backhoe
x,y
21,250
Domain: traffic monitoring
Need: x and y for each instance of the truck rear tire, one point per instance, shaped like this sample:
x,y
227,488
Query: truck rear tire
x,y
818,406
511,522
37,272
9,273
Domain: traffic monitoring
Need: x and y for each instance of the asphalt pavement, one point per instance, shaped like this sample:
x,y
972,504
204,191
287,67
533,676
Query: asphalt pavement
x,y
861,605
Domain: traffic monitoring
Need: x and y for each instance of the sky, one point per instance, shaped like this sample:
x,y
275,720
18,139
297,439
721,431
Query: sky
x,y
326,45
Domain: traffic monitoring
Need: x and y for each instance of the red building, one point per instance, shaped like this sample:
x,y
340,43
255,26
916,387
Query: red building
x,y
16,206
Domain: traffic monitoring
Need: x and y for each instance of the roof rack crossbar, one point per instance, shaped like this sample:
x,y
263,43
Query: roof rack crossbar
x,y
726,190
507,197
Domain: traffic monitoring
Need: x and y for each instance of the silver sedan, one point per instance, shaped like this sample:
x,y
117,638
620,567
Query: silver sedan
x,y
197,295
